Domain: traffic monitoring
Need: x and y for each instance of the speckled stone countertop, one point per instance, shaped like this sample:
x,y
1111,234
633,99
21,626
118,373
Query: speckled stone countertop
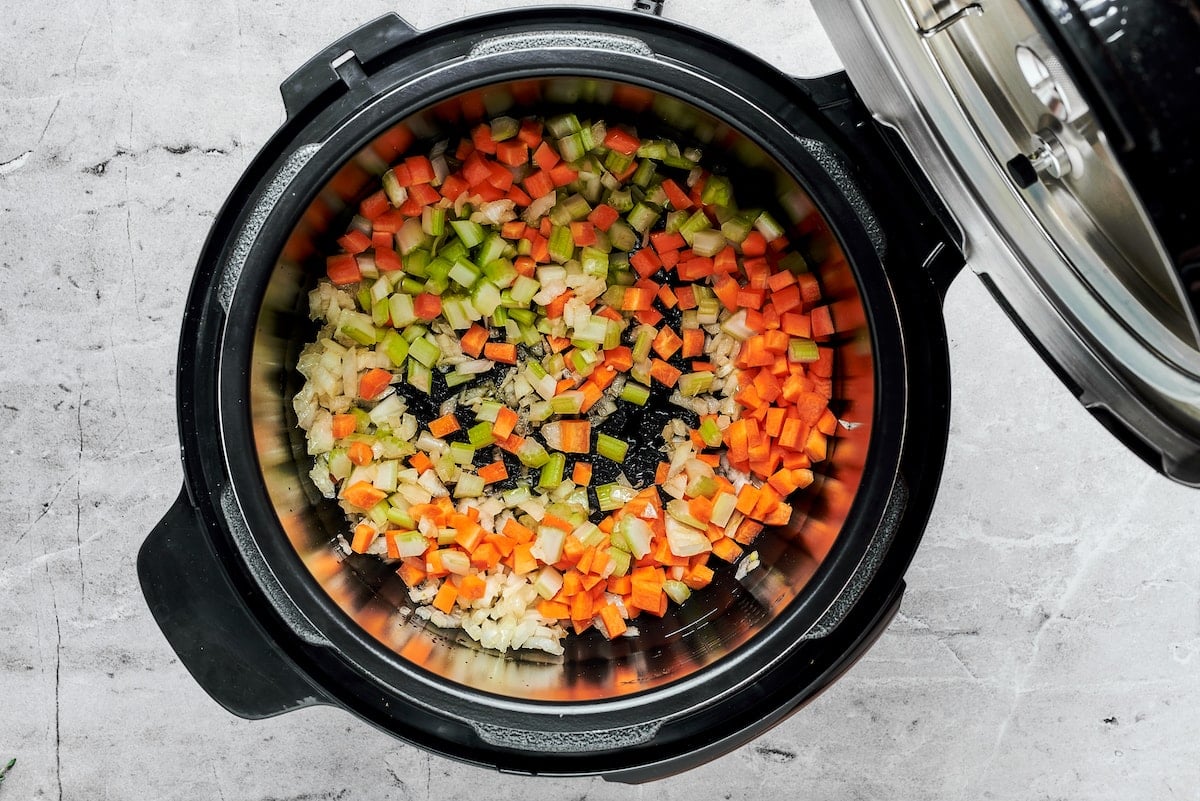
x,y
1049,642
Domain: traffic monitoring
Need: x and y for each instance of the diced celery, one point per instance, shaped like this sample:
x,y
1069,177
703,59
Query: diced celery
x,y
677,591
462,453
802,350
768,227
500,271
548,581
709,242
718,191
452,251
504,128
480,435
464,273
643,216
611,447
425,351
410,237
485,297
794,262
563,124
595,262
552,472
436,286
693,384
621,561
644,172
410,543
696,223
723,508
417,263
617,162
493,248
532,454
571,147
737,228
414,332
631,534
394,347
400,517
433,220
411,286
420,376
540,410
524,288
570,402
455,378
562,244
653,149
358,327
379,312
516,495
455,312
642,342
469,485
705,486
469,233
635,393
396,194
710,433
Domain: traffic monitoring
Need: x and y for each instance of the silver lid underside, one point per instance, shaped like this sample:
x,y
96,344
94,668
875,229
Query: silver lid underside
x,y
1047,216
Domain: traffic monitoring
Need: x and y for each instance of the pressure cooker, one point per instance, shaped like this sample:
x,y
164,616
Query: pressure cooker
x,y
1052,145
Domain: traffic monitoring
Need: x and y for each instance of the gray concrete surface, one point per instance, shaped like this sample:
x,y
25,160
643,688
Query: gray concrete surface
x,y
1048,646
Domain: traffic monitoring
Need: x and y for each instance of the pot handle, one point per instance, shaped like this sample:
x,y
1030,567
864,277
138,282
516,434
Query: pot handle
x,y
206,622
347,61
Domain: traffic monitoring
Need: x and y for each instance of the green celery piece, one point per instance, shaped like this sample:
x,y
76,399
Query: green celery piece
x,y
480,435
469,233
552,472
394,347
562,244
611,447
420,376
425,351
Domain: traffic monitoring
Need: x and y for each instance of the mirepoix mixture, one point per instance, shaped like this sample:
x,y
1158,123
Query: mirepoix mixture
x,y
562,377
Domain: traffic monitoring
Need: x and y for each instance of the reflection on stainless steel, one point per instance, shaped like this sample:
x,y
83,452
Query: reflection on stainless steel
x,y
713,622
1075,258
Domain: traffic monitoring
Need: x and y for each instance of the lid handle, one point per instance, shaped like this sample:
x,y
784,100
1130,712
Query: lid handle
x,y
345,63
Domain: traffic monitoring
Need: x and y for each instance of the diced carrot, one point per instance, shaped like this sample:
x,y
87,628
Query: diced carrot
x,y
344,425
554,610
667,342
446,596
505,352
513,152
815,446
420,461
660,473
471,587
485,556
576,436
603,216
373,382
614,624
523,558
364,535
747,498
726,550
621,141
374,205
822,322
412,571
354,241
591,394
664,373
583,233
363,494
517,532
619,358
360,453
747,531
754,245
342,269
496,471
473,340
443,426
539,183
636,299
563,174
427,306
645,262
581,474
693,343
663,241
676,196
545,157
530,132
506,421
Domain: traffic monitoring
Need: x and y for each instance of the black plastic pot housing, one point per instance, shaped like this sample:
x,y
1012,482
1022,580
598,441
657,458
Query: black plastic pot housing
x,y
244,575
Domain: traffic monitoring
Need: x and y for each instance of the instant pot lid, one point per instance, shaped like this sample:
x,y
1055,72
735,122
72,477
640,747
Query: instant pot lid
x,y
1064,137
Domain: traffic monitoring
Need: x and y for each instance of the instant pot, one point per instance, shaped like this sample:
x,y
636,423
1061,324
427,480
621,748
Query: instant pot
x,y
1050,144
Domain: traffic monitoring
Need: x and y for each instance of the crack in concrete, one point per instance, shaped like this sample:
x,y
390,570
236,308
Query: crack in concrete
x,y
101,167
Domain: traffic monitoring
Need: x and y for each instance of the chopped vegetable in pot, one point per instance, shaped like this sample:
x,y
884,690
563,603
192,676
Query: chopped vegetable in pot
x,y
498,319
